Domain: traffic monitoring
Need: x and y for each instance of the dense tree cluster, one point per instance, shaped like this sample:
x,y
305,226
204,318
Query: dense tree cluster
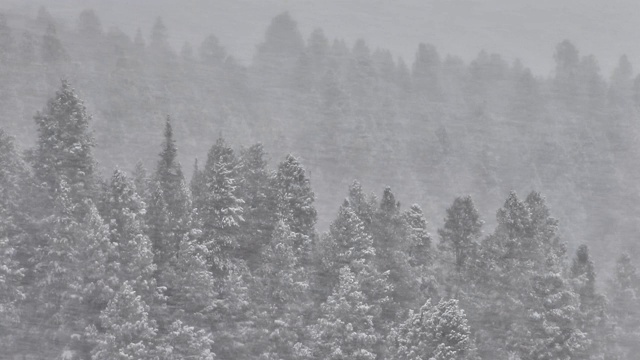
x,y
481,127
144,266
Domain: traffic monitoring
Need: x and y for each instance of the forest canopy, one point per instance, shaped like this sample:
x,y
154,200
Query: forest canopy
x,y
108,249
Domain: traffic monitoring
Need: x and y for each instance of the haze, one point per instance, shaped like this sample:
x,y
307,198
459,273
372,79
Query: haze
x,y
515,29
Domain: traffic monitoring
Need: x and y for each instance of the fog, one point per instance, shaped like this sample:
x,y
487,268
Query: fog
x,y
357,179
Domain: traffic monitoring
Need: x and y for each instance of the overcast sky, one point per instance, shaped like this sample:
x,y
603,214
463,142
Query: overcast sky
x,y
526,29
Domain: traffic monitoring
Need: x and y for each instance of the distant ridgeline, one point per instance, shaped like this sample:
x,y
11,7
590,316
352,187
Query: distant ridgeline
x,y
433,130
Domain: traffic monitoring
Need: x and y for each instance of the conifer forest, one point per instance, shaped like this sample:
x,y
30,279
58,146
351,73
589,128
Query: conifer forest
x,y
324,199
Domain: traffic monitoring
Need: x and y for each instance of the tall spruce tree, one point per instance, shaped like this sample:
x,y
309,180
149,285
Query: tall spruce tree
x,y
64,148
462,228
294,197
125,218
283,297
257,192
624,307
592,318
219,205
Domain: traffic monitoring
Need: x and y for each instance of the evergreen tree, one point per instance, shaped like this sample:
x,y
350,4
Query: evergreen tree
x,y
51,49
624,307
169,175
6,41
13,244
435,332
219,206
211,52
346,328
169,207
462,228
259,202
125,218
592,318
127,331
294,197
364,206
552,329
565,81
419,238
283,297
282,38
64,148
426,72
186,342
74,278
89,24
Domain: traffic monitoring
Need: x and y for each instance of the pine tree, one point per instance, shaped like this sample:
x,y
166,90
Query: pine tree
x,y
169,175
234,323
127,230
211,52
552,329
127,332
437,332
419,238
260,206
192,295
592,320
426,73
186,342
218,203
73,276
160,233
12,242
364,206
64,148
52,50
346,328
462,228
624,289
283,297
348,245
294,197
169,207
6,41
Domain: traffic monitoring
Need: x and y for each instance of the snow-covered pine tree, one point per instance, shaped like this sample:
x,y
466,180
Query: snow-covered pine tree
x,y
592,317
346,328
437,332
348,244
260,206
552,329
126,331
73,276
125,217
461,231
391,239
282,294
419,238
294,197
13,244
169,175
158,220
219,207
625,306
64,147
364,206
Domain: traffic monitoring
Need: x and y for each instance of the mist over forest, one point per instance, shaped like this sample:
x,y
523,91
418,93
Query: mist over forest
x,y
315,194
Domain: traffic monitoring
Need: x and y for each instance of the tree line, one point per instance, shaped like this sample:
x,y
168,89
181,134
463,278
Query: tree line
x,y
145,265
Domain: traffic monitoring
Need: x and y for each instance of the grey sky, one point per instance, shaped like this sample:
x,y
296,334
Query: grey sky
x,y
525,29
